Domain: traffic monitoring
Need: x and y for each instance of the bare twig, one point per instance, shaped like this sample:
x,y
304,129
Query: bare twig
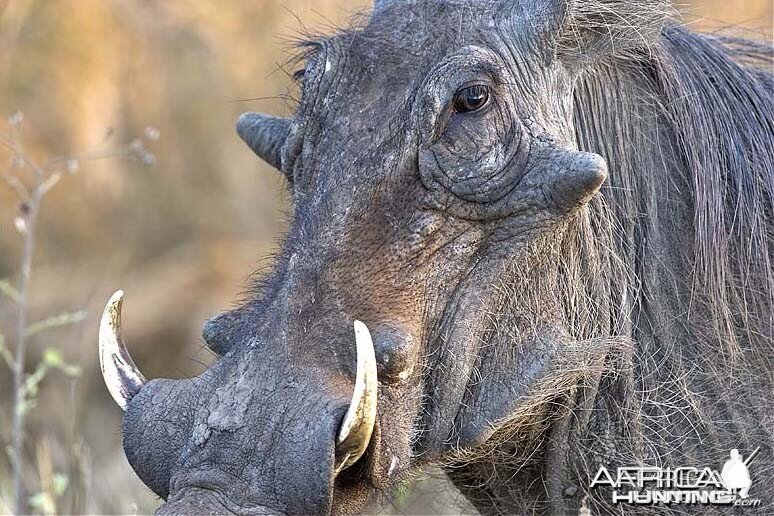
x,y
30,197
17,186
30,218
17,435
9,290
64,319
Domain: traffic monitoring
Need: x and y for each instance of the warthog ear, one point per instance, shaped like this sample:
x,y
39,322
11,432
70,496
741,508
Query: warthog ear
x,y
595,29
265,135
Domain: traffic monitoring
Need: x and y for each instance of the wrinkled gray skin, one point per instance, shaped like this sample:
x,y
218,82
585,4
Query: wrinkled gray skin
x,y
522,320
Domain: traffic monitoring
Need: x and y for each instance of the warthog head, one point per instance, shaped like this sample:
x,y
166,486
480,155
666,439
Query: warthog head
x,y
417,299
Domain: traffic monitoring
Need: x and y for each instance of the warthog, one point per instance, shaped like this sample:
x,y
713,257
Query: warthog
x,y
529,239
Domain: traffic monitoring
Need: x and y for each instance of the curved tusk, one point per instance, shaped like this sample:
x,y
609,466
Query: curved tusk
x,y
121,375
358,424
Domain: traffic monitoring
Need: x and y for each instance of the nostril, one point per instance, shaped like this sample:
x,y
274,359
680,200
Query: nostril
x,y
395,352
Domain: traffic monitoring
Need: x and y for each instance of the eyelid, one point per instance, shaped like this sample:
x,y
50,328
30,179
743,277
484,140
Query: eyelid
x,y
483,79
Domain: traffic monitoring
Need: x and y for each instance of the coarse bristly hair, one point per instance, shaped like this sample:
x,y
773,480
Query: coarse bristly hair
x,y
671,266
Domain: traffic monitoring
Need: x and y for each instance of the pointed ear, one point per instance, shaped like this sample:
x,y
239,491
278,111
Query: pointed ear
x,y
265,135
597,29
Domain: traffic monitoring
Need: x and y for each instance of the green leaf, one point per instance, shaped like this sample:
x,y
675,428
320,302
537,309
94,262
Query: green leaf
x,y
59,483
53,358
43,503
56,321
9,290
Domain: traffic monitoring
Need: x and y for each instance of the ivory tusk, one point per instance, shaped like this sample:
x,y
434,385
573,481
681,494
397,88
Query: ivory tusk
x,y
355,431
121,375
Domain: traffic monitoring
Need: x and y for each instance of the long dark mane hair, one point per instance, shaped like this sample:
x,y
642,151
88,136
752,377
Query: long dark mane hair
x,y
670,269
678,255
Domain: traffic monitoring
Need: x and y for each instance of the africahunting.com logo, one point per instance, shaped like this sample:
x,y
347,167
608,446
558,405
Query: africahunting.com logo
x,y
682,485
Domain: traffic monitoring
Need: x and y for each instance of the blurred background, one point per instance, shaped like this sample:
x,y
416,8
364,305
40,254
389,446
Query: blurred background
x,y
180,229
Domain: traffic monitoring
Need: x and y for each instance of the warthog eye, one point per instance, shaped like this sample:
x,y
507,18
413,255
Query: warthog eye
x,y
471,98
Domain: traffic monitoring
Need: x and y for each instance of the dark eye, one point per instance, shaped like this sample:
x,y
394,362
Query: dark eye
x,y
471,98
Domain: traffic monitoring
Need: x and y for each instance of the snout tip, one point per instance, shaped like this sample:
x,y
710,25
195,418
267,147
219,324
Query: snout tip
x,y
201,502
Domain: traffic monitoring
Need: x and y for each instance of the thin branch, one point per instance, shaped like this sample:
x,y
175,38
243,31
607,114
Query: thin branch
x,y
17,439
45,178
18,154
64,161
17,186
7,142
9,290
64,319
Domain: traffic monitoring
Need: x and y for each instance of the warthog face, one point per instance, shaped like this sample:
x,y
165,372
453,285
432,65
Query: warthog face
x,y
433,167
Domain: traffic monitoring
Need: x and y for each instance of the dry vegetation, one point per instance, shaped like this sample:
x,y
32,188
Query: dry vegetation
x,y
180,237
